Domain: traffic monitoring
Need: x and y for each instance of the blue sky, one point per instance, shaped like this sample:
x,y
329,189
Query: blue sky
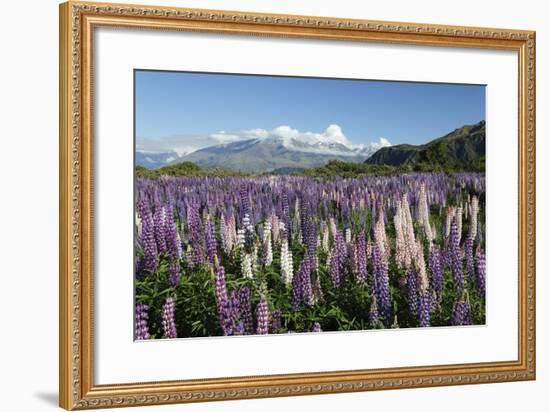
x,y
181,103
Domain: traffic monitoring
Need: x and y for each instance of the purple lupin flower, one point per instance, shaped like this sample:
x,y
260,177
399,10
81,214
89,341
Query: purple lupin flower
x,y
469,256
285,204
362,259
412,291
142,319
480,272
150,259
262,317
245,309
352,257
380,271
307,289
424,309
456,261
436,269
160,221
168,318
238,327
374,316
210,242
193,226
276,321
245,202
462,313
173,245
174,273
309,233
302,290
337,259
316,327
225,313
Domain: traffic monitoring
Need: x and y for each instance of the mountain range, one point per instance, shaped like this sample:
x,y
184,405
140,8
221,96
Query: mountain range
x,y
259,150
285,150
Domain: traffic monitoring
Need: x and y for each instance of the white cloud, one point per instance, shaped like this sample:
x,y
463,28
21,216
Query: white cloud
x,y
332,140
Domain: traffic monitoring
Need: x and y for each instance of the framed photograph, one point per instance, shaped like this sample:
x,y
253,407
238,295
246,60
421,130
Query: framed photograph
x,y
258,205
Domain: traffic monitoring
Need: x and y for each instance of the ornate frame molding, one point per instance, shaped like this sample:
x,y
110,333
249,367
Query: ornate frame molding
x,y
77,21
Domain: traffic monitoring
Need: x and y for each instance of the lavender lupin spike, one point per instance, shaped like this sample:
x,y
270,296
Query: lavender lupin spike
x,y
171,239
361,259
245,309
150,259
412,291
480,272
262,317
210,242
380,271
337,259
424,309
469,256
168,318
462,315
160,221
436,270
174,273
142,319
224,305
456,261
193,223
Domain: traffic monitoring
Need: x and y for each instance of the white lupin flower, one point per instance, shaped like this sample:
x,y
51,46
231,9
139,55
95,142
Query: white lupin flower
x,y
473,216
254,259
420,264
139,225
459,221
347,235
423,213
180,248
223,231
286,263
246,222
240,238
267,244
400,246
451,213
408,231
332,225
232,232
275,228
246,266
325,238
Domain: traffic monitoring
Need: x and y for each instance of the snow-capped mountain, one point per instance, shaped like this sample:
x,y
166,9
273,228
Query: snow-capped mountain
x,y
260,150
331,142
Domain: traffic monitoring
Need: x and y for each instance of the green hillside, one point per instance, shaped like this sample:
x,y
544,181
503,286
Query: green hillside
x,y
461,150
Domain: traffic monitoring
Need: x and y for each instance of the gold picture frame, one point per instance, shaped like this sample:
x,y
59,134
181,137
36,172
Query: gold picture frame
x,y
76,385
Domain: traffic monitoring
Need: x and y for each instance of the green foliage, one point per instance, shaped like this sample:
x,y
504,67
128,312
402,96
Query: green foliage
x,y
431,163
196,313
349,169
185,169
